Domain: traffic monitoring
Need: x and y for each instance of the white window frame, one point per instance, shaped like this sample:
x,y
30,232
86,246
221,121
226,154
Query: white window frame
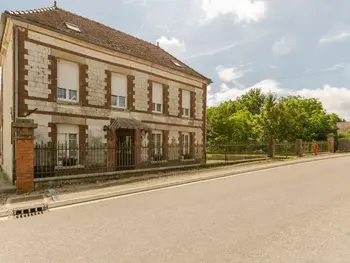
x,y
186,104
119,90
157,146
65,147
72,87
157,98
73,27
185,147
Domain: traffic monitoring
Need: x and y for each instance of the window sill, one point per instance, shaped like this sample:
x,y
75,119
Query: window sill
x,y
66,102
119,109
157,113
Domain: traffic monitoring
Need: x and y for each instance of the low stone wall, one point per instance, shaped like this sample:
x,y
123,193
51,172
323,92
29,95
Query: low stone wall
x,y
344,145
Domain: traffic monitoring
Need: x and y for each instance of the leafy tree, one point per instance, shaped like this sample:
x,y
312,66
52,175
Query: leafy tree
x,y
256,116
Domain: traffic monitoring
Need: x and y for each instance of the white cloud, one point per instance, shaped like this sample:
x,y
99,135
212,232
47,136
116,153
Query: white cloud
x,y
283,46
172,45
227,93
335,100
338,37
243,10
231,75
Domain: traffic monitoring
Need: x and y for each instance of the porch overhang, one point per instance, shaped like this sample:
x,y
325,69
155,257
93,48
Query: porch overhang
x,y
127,124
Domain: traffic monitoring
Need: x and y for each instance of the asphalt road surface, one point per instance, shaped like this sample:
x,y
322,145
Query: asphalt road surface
x,y
298,213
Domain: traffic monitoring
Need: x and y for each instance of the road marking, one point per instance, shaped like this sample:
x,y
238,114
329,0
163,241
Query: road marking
x,y
140,191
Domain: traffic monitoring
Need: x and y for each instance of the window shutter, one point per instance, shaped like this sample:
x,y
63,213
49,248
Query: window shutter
x,y
119,85
186,99
157,93
67,75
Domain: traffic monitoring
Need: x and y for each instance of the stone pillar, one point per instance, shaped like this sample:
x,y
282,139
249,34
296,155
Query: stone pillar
x,y
24,154
299,147
111,153
137,144
331,143
271,148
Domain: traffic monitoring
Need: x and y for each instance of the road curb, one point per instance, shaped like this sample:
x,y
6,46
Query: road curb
x,y
110,195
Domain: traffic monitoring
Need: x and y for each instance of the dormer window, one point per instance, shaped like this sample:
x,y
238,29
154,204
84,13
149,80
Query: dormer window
x,y
73,27
176,63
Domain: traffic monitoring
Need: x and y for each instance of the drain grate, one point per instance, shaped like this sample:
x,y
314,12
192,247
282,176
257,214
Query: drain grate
x,y
27,212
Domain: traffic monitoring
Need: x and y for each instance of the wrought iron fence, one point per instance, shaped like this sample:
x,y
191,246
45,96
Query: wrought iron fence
x,y
309,147
60,160
235,152
322,146
285,149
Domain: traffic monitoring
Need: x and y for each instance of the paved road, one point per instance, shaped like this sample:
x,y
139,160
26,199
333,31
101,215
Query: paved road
x,y
298,213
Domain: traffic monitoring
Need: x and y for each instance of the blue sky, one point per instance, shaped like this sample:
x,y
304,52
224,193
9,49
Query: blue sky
x,y
289,47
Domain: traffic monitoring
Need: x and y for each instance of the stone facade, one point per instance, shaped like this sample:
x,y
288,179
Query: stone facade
x,y
140,91
38,70
40,54
174,99
96,91
96,80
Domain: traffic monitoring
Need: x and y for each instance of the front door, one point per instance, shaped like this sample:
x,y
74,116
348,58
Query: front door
x,y
125,149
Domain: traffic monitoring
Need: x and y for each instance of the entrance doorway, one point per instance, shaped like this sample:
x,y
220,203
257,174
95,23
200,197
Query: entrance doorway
x,y
125,149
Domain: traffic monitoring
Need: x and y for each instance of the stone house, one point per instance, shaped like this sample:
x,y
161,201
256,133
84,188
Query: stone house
x,y
84,84
343,127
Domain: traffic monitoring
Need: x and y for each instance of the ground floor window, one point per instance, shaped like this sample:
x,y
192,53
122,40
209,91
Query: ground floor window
x,y
186,145
67,145
157,147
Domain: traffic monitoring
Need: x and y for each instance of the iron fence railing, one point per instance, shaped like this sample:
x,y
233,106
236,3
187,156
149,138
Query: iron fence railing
x,y
285,149
60,160
322,146
235,152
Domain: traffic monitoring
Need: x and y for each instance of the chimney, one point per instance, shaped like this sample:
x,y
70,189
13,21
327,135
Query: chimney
x,y
158,44
55,4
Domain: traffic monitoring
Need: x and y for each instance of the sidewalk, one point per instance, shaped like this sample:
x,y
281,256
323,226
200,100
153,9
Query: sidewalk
x,y
70,198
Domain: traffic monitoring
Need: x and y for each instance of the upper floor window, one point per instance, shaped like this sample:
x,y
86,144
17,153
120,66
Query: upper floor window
x,y
119,91
186,103
67,80
157,97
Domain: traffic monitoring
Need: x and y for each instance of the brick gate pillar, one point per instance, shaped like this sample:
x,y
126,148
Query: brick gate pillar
x,y
24,154
331,143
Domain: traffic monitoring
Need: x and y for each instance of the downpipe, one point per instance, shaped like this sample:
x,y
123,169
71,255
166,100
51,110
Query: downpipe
x,y
14,177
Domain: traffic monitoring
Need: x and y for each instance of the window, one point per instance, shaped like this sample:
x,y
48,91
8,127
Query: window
x,y
67,81
157,138
186,103
157,97
186,143
67,145
73,27
176,63
119,90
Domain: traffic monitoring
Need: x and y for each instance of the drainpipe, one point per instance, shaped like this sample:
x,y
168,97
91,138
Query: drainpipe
x,y
16,100
16,73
